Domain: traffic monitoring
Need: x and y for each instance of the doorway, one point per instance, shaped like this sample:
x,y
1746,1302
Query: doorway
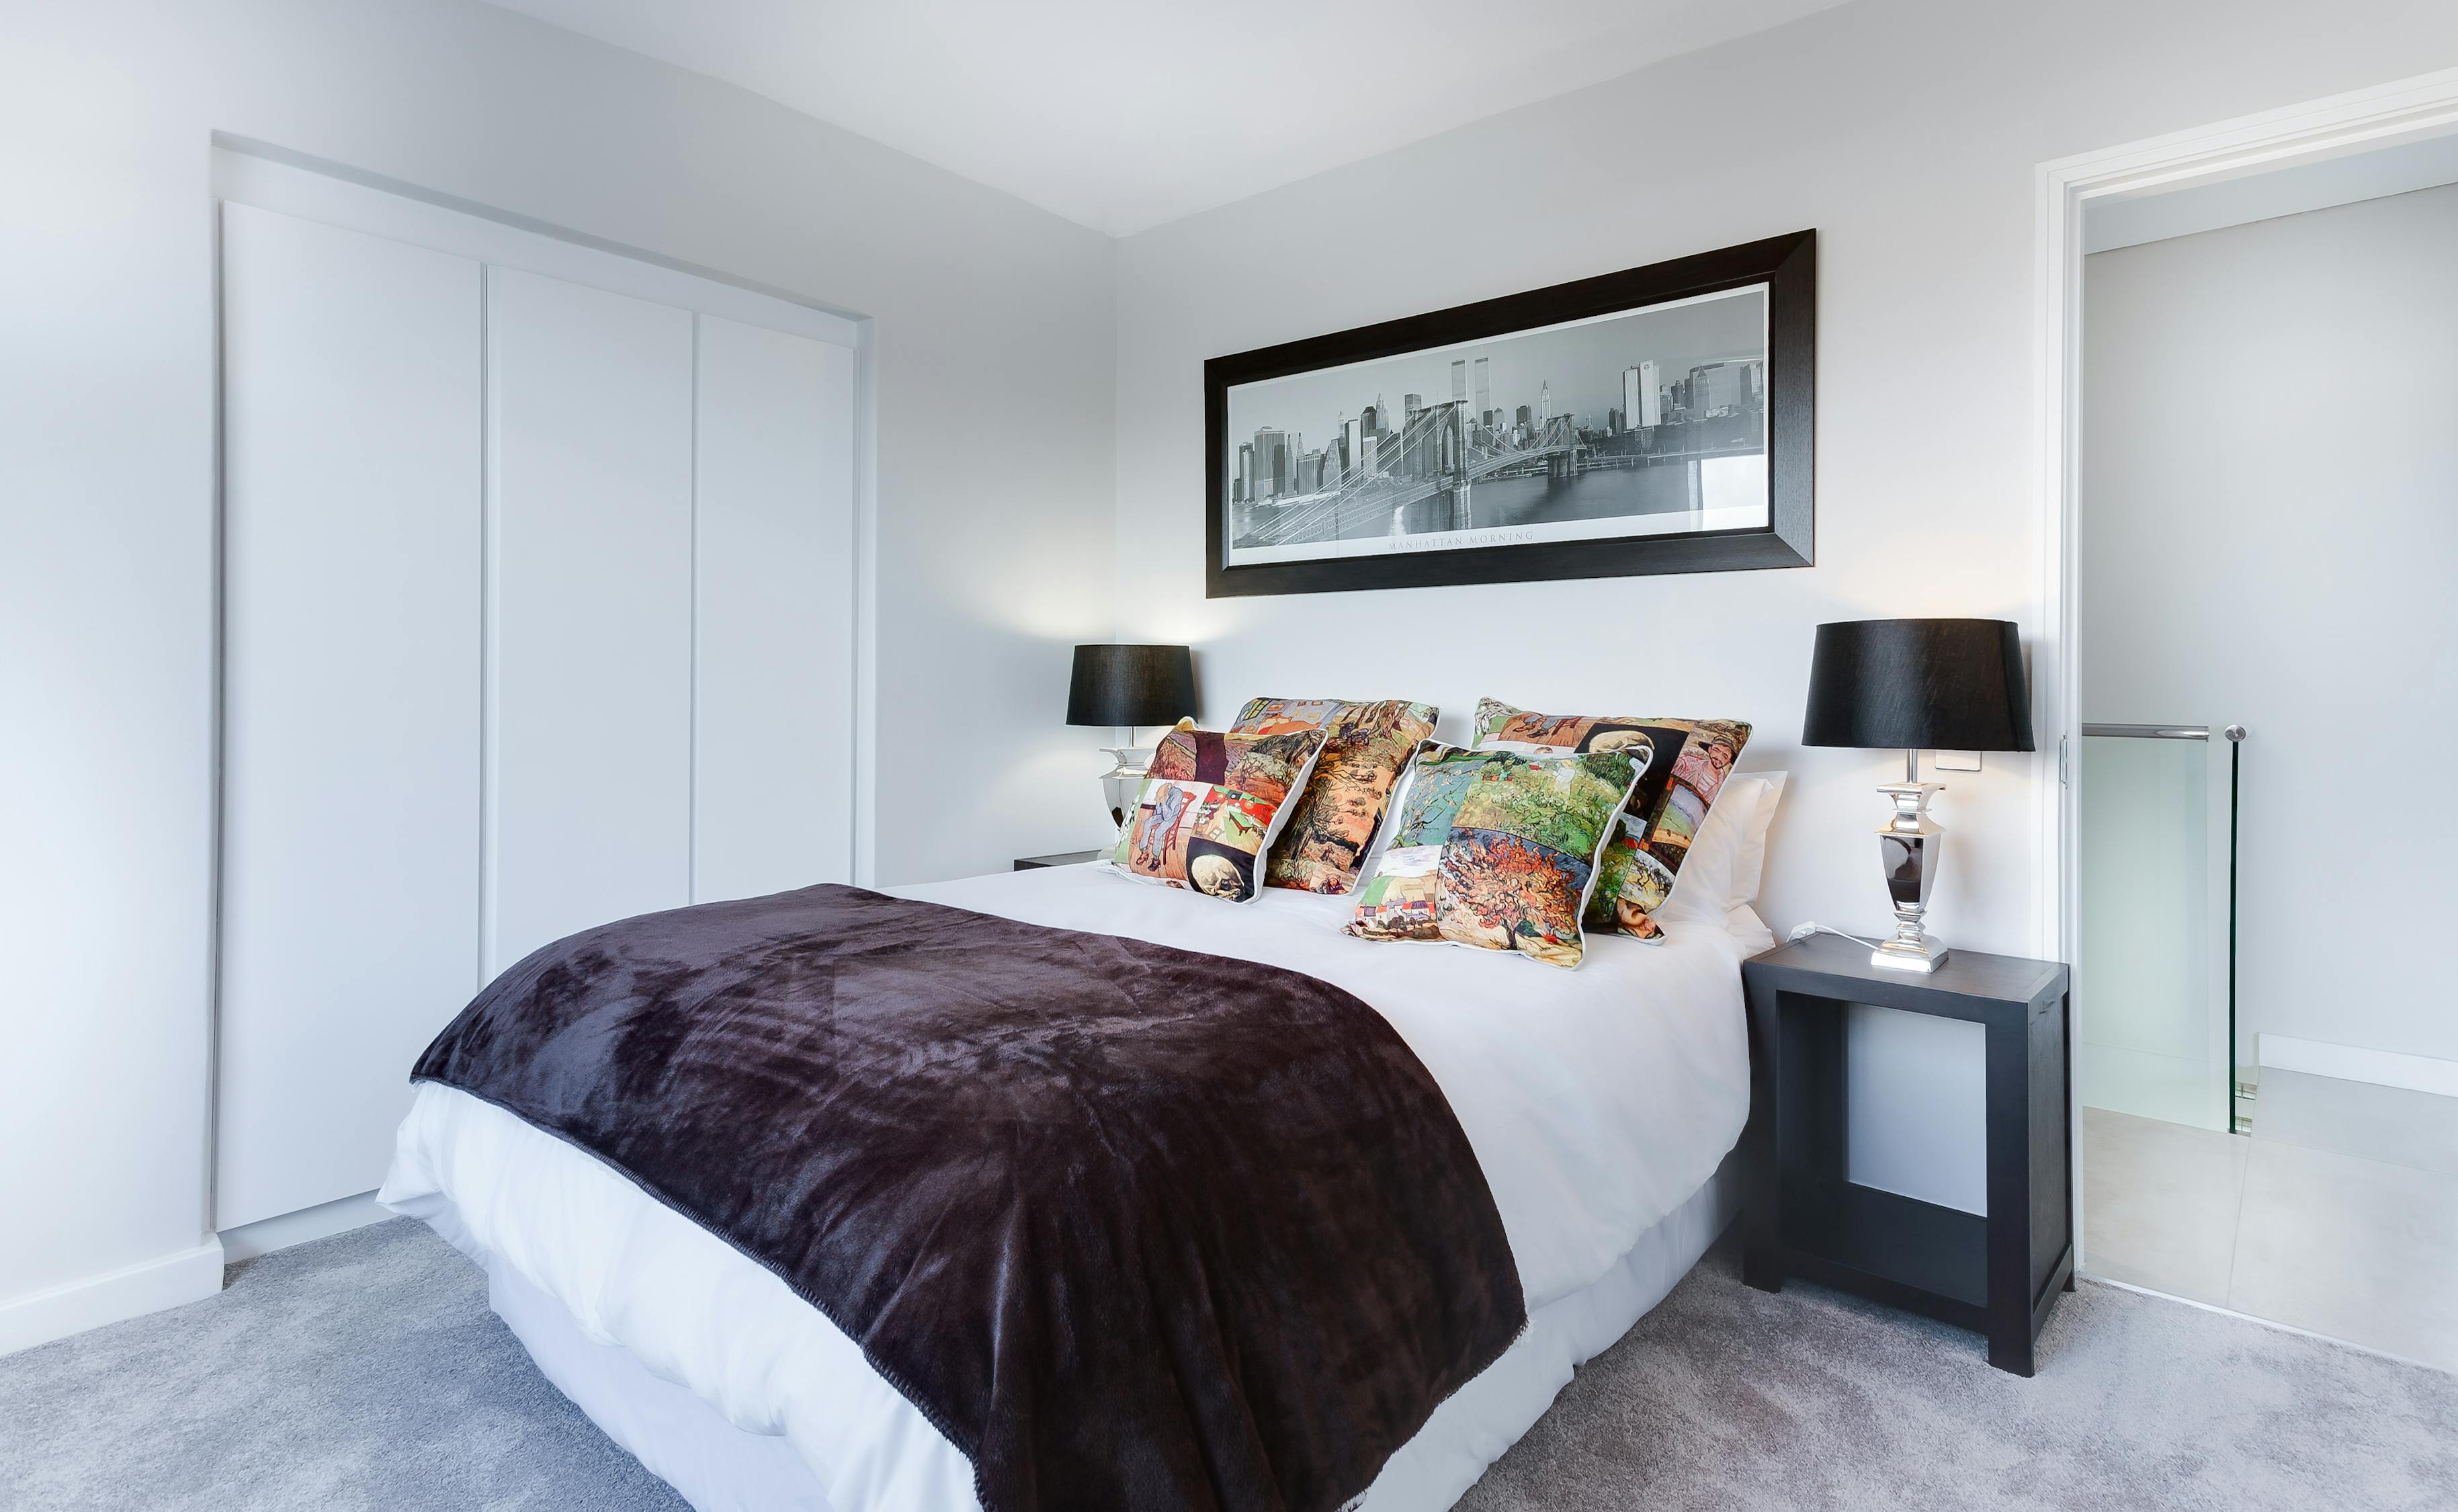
x,y
2252,338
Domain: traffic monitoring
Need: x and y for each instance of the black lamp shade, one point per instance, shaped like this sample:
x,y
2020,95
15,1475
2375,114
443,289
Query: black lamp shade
x,y
1131,684
1919,684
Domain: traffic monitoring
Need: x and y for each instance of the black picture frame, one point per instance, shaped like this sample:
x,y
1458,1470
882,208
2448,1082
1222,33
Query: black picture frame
x,y
1786,264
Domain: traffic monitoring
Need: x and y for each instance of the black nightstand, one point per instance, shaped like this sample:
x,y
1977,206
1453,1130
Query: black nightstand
x,y
1060,859
1997,1275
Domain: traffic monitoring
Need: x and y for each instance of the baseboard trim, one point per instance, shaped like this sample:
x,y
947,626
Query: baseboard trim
x,y
265,1235
149,1286
2355,1064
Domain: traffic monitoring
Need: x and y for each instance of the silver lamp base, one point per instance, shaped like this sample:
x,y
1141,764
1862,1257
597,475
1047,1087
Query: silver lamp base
x,y
1923,954
1124,781
1908,846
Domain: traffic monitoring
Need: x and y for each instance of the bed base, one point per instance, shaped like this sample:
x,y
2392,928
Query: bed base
x,y
718,1467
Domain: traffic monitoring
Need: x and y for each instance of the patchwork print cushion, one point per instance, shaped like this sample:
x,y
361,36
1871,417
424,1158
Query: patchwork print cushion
x,y
1332,822
1686,761
1209,808
1494,850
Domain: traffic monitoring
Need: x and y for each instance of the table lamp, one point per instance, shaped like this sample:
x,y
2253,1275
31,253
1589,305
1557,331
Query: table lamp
x,y
1129,685
1916,684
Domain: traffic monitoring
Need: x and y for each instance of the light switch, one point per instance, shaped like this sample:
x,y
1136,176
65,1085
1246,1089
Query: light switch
x,y
1958,761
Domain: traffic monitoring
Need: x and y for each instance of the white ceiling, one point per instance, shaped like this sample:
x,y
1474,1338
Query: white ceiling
x,y
1124,113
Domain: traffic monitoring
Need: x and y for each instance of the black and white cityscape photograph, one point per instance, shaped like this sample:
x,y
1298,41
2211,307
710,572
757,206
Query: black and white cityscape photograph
x,y
1640,423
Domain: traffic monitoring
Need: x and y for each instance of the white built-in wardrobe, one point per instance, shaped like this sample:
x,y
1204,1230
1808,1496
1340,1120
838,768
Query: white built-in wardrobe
x,y
537,612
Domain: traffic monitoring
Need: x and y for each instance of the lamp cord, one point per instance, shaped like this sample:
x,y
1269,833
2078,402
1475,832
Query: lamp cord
x,y
1802,932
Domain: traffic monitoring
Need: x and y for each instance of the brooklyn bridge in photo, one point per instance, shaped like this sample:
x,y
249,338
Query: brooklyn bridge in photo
x,y
1465,464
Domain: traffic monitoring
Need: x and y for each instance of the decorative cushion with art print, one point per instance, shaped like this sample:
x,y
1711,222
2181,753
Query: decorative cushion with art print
x,y
1494,850
1331,824
1687,762
1210,805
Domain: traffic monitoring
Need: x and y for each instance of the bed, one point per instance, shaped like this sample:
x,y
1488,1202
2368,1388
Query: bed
x,y
1601,1106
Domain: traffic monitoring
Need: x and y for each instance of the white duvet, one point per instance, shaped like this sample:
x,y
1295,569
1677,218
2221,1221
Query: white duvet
x,y
1596,1100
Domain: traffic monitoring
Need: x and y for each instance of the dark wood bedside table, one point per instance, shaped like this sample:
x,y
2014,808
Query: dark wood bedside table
x,y
1058,859
1997,1275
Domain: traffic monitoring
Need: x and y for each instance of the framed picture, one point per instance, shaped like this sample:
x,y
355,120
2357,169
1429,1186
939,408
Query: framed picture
x,y
1655,420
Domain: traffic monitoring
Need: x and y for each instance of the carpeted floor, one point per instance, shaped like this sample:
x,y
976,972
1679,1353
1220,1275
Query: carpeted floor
x,y
1730,1399
366,1372
362,1373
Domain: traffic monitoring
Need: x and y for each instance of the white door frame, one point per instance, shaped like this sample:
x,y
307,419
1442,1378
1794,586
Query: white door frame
x,y
2380,116
2383,115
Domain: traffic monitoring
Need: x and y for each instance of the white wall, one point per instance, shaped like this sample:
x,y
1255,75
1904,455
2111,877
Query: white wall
x,y
1039,433
2269,538
1906,132
994,362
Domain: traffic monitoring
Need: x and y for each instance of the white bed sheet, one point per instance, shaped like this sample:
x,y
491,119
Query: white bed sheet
x,y
718,1467
1597,1102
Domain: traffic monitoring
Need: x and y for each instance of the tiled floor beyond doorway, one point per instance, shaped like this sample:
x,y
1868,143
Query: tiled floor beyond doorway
x,y
2360,1248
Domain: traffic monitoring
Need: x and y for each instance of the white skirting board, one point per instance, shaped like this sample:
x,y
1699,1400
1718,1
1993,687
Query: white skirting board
x,y
149,1286
2355,1064
322,1220
189,1276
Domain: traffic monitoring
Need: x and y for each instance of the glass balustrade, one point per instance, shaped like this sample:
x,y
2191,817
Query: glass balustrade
x,y
2153,988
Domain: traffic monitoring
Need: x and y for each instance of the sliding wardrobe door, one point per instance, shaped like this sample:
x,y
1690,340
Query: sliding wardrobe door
x,y
589,610
772,775
351,711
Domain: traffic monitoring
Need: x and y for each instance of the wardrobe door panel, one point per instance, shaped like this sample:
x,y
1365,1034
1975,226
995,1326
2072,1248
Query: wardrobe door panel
x,y
589,483
773,772
350,707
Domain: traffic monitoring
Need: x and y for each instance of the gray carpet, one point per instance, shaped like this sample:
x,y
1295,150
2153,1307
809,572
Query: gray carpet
x,y
366,1372
1731,1398
358,1373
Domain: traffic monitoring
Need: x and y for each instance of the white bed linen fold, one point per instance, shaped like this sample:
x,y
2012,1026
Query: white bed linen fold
x,y
1595,1099
720,1468
1598,1100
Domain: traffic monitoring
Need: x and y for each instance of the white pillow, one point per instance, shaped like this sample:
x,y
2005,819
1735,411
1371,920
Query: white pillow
x,y
1725,863
1750,869
1745,926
